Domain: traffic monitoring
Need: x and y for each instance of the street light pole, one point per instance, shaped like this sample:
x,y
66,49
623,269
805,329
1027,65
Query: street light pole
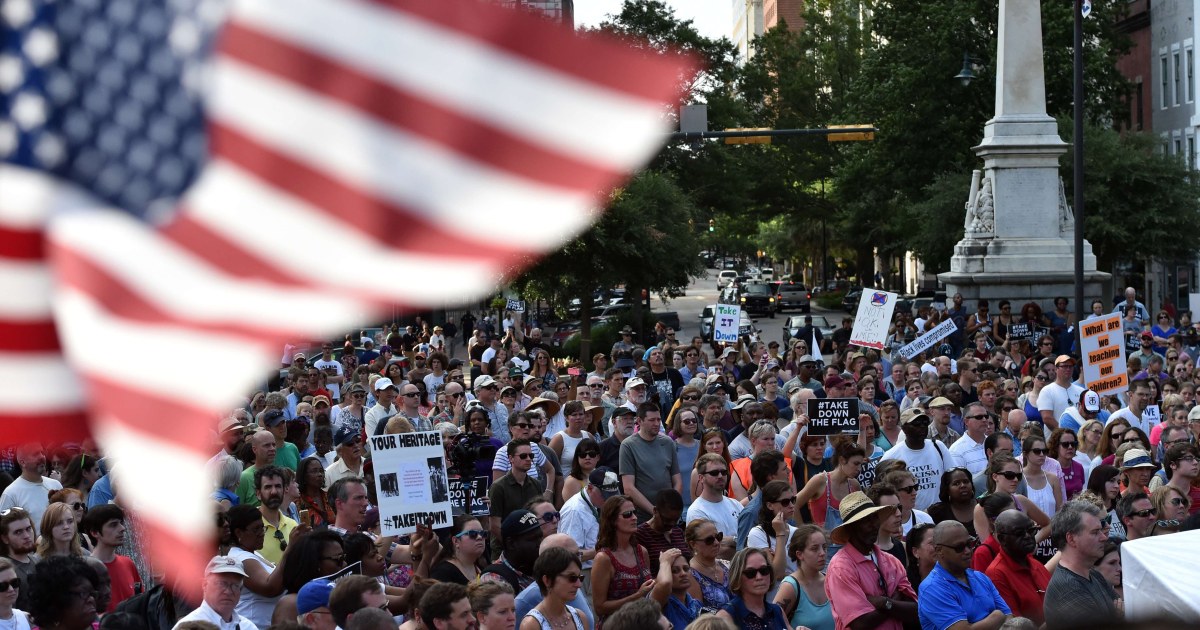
x,y
1078,162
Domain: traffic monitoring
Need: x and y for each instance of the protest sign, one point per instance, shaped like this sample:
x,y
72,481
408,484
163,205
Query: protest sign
x,y
832,416
924,342
873,318
516,306
1152,415
1020,331
477,487
725,323
411,481
1103,350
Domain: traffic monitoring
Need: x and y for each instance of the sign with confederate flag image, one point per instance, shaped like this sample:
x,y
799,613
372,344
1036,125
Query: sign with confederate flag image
x,y
873,317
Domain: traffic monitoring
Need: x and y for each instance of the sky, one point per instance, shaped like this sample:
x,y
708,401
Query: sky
x,y
712,18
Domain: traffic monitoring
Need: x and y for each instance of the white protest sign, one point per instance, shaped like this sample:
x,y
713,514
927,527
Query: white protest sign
x,y
1152,415
725,323
1102,344
873,318
516,306
922,343
411,481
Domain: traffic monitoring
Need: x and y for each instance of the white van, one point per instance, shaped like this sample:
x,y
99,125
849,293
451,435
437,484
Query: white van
x,y
767,274
725,277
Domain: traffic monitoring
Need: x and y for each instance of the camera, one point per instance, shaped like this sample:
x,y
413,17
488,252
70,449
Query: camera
x,y
468,448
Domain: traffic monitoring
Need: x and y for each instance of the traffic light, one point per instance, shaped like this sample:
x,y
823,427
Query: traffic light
x,y
712,225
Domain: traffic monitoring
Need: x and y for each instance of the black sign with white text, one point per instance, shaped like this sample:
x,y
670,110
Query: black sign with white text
x,y
832,416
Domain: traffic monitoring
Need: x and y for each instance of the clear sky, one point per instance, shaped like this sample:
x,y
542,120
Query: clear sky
x,y
712,18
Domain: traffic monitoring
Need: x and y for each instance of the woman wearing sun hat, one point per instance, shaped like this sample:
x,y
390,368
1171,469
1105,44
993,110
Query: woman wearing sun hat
x,y
863,582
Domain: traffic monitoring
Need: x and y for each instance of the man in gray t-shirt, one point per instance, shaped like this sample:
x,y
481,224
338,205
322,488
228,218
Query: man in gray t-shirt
x,y
648,462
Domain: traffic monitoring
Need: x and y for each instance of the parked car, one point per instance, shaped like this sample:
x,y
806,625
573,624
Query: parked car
x,y
767,273
792,295
725,277
745,324
791,328
756,297
850,300
729,263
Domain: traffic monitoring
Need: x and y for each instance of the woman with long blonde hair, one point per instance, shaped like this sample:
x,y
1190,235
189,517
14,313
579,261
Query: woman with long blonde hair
x,y
59,532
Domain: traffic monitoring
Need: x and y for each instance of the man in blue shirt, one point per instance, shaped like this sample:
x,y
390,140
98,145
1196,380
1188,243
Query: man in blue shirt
x,y
953,595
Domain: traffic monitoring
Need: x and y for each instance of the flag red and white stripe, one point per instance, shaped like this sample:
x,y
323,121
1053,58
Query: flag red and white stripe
x,y
364,153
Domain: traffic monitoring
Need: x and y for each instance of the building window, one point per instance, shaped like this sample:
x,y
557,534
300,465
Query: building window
x,y
1162,73
1178,78
1191,152
1178,146
1139,115
1191,82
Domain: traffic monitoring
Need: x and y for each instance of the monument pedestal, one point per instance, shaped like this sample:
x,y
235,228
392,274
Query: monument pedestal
x,y
1018,236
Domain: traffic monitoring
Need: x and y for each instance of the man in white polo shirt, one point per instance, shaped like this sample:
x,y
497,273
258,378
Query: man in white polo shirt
x,y
968,451
1058,396
222,590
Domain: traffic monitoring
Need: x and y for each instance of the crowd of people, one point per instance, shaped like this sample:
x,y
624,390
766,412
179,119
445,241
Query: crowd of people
x,y
672,484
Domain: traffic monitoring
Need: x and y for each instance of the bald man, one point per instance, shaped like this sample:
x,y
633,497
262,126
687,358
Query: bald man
x,y
263,445
530,597
1018,576
954,596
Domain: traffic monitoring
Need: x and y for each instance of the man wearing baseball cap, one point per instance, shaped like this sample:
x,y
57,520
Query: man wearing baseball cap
x,y
1088,408
487,392
385,395
520,535
222,590
312,605
1056,397
926,459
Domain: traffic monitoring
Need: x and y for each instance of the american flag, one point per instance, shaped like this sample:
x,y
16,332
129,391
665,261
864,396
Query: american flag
x,y
189,183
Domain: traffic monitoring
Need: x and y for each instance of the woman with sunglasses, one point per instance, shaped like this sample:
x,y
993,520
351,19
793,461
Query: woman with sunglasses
x,y
1029,400
559,576
1089,443
566,442
773,532
1045,489
621,569
801,595
11,618
751,578
310,556
1004,475
1162,329
458,562
1105,483
587,457
956,499
710,574
1111,439
1001,324
1063,447
684,430
263,586
543,370
689,396
1171,503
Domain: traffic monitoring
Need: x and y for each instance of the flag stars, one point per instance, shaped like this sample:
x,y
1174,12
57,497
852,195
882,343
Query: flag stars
x,y
12,73
50,150
29,110
17,12
9,138
41,46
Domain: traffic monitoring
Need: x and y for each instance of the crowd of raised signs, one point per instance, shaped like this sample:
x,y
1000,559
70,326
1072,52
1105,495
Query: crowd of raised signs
x,y
672,483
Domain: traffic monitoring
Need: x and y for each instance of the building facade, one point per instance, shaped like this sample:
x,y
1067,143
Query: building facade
x,y
556,10
752,18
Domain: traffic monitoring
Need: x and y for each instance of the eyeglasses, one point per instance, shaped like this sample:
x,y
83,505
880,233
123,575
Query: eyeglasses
x,y
411,394
79,505
572,577
717,473
83,596
691,397
282,542
978,416
1178,502
1188,458
524,455
1039,451
1046,343
228,587
786,501
1068,444
1010,475
340,558
12,584
714,539
908,489
1042,378
627,514
597,385
688,420
753,572
590,454
550,517
473,534
1144,513
970,543
523,425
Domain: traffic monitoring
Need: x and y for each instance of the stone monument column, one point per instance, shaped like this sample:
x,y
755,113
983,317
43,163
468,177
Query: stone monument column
x,y
1018,233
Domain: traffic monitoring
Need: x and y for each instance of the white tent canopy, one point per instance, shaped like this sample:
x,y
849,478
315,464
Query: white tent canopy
x,y
1160,576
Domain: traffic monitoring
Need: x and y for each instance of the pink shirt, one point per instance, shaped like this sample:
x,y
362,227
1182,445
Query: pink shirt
x,y
852,577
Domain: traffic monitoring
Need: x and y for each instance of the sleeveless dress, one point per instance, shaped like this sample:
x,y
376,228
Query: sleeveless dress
x,y
825,507
713,595
1043,498
545,623
569,444
626,580
808,614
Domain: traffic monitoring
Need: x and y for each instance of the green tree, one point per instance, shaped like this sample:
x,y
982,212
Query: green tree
x,y
646,239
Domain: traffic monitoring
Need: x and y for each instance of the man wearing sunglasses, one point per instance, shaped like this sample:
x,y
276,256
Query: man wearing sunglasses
x,y
953,592
487,392
1018,576
579,517
927,459
1137,514
516,487
968,450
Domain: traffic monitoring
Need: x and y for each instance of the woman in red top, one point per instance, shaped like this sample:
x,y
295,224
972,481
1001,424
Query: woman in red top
x,y
621,569
824,493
